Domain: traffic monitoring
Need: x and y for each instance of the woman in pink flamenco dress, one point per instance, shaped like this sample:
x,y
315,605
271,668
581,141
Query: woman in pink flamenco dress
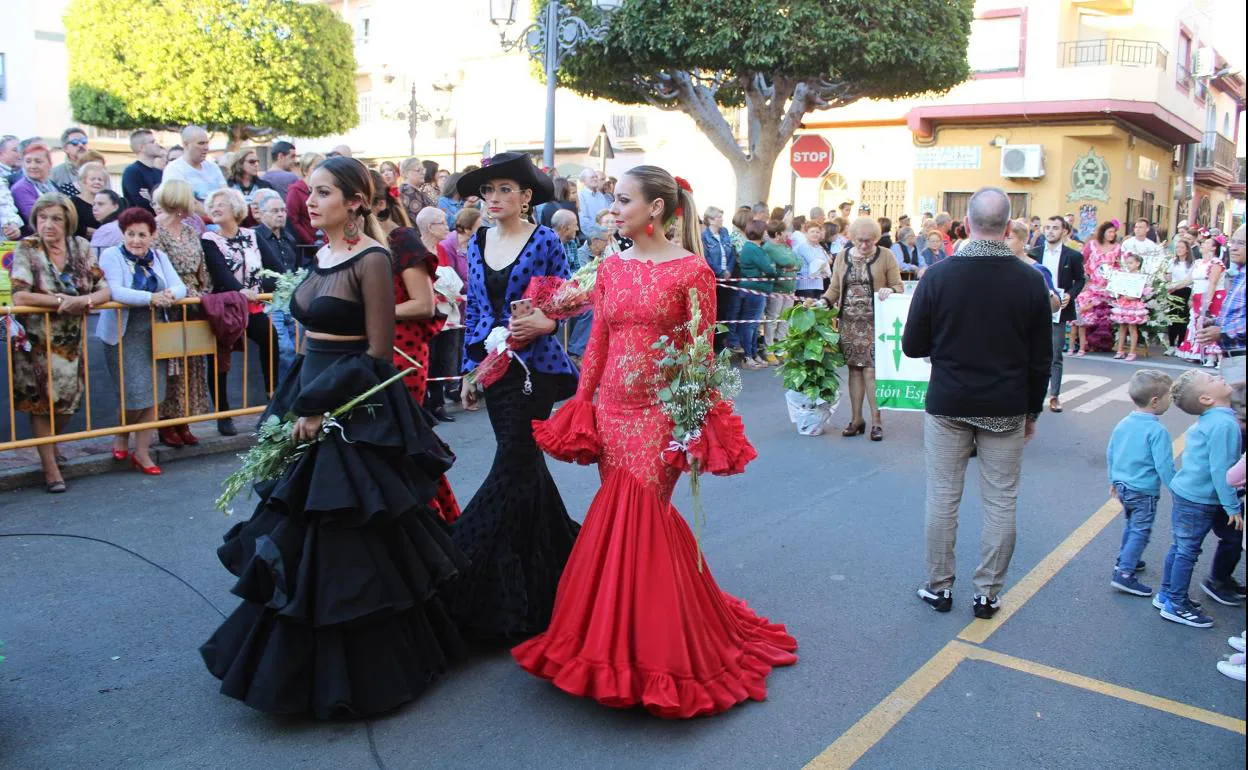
x,y
635,621
1100,257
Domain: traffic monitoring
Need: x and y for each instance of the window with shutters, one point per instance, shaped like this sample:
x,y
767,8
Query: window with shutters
x,y
886,198
1020,205
955,204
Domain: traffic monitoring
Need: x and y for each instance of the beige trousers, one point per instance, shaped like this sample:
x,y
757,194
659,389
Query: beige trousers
x,y
947,449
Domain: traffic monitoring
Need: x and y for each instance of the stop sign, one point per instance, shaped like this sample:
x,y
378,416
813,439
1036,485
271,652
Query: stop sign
x,y
810,156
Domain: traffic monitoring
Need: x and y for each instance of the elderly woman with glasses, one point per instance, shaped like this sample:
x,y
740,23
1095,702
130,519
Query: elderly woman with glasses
x,y
235,256
865,271
412,192
56,270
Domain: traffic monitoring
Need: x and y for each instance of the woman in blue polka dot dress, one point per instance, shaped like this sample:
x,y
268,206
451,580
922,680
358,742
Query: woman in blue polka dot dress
x,y
515,531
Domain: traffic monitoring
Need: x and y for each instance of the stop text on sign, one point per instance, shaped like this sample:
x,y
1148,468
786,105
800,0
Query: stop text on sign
x,y
810,156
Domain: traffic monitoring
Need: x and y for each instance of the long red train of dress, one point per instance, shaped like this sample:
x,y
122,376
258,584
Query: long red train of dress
x,y
635,622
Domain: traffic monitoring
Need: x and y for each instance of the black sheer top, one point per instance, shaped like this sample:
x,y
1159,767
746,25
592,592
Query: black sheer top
x,y
353,298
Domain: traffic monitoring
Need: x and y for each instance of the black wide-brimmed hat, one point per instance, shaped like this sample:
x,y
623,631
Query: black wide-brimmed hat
x,y
509,165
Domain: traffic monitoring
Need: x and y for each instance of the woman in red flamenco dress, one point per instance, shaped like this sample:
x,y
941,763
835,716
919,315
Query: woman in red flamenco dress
x,y
414,267
636,621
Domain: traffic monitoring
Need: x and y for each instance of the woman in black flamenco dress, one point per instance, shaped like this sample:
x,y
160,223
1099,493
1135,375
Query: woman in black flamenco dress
x,y
515,531
341,566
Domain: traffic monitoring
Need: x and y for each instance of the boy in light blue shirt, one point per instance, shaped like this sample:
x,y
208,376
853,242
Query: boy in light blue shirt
x,y
1139,459
1199,489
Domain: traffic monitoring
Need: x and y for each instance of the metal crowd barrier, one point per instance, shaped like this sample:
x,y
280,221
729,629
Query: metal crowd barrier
x,y
182,339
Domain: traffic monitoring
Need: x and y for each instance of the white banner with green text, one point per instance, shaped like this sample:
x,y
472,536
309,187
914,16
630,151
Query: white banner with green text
x,y
900,382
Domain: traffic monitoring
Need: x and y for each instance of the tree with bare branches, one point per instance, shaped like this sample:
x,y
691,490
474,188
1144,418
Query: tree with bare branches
x,y
777,60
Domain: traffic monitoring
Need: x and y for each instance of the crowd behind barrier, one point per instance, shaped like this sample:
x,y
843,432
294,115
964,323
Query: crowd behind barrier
x,y
180,338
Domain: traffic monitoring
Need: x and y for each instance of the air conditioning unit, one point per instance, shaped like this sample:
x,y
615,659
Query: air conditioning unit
x,y
1202,62
1024,161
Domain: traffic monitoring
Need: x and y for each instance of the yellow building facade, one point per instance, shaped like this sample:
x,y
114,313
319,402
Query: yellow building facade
x,y
1104,109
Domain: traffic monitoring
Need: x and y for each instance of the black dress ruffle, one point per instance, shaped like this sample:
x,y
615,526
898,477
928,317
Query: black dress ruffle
x,y
516,531
341,565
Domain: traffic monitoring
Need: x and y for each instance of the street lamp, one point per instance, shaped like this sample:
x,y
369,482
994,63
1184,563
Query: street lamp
x,y
549,40
415,116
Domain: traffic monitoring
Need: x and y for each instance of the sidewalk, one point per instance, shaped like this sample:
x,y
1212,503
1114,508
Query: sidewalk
x,y
88,457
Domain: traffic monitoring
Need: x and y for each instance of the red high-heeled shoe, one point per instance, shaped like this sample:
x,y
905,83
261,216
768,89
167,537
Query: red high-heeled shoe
x,y
120,455
150,470
188,438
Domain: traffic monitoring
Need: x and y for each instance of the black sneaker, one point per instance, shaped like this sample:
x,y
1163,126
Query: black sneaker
x,y
984,607
1223,593
1139,565
941,601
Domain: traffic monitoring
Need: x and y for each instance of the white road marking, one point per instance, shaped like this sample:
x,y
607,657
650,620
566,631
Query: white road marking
x,y
1117,394
1139,363
1090,383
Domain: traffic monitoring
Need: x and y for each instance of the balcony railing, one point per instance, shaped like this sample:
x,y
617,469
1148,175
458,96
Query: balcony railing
x,y
1124,53
1183,77
1216,152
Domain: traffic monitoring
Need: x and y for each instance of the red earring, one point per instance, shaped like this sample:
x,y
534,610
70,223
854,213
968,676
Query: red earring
x,y
650,227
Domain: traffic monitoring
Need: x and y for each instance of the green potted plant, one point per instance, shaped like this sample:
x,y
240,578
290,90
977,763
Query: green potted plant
x,y
811,358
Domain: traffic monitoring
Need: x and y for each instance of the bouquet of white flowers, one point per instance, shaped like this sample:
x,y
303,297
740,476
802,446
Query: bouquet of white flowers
x,y
696,389
275,449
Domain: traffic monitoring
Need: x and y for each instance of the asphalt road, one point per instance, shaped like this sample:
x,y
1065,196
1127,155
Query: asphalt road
x,y
824,534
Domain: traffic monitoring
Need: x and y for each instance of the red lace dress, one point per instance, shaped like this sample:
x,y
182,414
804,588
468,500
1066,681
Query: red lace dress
x,y
412,337
635,622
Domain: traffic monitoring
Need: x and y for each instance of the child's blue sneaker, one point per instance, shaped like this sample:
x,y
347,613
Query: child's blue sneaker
x,y
1129,584
1186,615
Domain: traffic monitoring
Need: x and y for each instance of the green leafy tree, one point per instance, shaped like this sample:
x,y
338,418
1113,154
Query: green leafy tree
x,y
778,60
246,67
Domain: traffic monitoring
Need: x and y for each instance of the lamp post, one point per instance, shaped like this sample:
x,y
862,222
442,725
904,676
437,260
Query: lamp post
x,y
415,116
548,40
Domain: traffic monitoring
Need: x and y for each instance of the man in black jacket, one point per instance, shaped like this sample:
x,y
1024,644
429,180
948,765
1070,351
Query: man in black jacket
x,y
982,316
1066,266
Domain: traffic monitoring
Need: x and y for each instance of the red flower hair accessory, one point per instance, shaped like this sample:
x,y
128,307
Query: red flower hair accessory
x,y
683,184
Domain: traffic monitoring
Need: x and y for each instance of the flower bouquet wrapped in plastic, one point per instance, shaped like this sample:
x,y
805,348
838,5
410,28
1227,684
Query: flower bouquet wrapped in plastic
x,y
558,299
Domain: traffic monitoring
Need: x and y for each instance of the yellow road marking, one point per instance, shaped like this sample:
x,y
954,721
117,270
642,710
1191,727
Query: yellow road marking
x,y
1215,719
868,731
1013,600
876,723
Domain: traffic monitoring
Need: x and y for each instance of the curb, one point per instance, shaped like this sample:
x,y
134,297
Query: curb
x,y
94,465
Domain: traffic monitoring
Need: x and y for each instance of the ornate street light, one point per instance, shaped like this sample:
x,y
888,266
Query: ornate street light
x,y
548,40
416,115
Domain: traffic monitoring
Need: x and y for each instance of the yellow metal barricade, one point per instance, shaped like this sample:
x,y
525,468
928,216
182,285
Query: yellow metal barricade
x,y
180,339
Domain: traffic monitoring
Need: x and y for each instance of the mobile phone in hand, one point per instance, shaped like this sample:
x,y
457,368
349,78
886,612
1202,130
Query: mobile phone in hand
x,y
522,308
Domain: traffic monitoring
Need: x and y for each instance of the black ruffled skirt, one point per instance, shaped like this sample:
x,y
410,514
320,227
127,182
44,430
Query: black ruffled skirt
x,y
341,565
